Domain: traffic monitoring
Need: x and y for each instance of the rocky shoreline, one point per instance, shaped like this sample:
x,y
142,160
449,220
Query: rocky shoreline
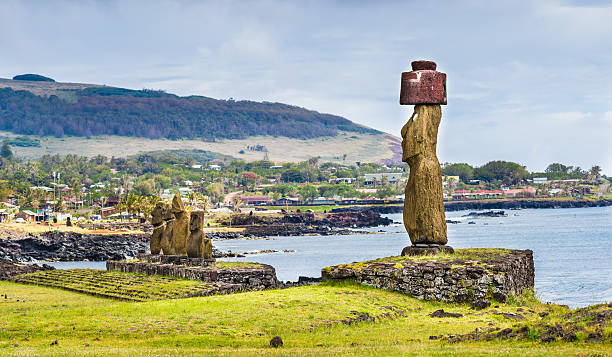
x,y
71,246
489,205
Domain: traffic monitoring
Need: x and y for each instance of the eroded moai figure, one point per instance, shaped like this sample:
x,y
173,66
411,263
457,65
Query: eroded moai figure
x,y
166,238
159,226
424,217
180,230
198,246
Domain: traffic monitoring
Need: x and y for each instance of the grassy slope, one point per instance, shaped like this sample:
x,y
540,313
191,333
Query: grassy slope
x,y
358,147
309,319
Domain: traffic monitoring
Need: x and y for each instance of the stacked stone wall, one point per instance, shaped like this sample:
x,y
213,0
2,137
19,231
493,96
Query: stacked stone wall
x,y
256,277
449,281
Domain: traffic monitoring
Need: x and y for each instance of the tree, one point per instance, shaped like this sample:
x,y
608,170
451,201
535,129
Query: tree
x,y
6,152
509,173
145,188
308,193
463,170
595,171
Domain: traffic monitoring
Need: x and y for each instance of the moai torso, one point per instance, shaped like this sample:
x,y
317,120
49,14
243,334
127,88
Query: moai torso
x,y
166,238
180,230
159,226
198,246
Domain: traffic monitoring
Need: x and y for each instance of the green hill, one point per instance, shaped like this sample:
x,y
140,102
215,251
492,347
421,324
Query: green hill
x,y
56,109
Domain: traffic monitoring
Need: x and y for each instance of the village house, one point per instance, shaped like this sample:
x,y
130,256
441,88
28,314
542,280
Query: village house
x,y
391,177
255,200
521,192
347,180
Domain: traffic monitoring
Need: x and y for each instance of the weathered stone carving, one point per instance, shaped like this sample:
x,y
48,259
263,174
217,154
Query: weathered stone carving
x,y
198,246
159,226
424,217
166,238
180,230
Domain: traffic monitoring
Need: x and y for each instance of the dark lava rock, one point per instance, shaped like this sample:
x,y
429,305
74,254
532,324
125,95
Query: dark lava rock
x,y
10,269
546,337
594,337
511,316
480,304
442,313
543,314
276,341
71,246
504,333
486,214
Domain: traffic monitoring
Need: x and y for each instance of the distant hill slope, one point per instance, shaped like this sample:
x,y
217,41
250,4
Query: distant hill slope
x,y
70,109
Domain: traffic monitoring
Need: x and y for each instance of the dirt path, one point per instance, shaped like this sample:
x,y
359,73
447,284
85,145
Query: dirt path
x,y
230,197
603,189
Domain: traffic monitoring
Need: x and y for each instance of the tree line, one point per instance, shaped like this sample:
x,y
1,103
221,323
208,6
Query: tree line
x,y
154,114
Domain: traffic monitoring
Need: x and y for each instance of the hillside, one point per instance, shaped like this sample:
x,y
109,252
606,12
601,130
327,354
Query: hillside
x,y
380,148
68,109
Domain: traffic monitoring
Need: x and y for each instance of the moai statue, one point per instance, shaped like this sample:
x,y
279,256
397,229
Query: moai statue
x,y
180,232
423,205
166,238
198,246
159,226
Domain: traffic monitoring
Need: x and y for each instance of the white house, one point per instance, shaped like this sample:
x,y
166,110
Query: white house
x,y
392,177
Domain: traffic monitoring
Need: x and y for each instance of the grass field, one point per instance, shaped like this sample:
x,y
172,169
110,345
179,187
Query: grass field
x,y
324,319
117,285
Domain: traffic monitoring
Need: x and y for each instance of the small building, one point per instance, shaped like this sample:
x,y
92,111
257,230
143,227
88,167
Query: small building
x,y
183,191
27,215
323,201
347,180
288,201
255,200
391,177
540,180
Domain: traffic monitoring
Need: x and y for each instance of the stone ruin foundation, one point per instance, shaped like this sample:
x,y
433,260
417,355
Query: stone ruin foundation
x,y
250,276
453,280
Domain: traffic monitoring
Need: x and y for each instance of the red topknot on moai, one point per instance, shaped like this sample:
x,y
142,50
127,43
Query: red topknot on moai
x,y
424,219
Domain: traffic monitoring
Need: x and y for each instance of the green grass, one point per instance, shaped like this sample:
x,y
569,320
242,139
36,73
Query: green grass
x,y
314,320
118,285
475,255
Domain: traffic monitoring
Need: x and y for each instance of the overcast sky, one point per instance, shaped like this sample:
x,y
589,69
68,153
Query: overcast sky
x,y
529,82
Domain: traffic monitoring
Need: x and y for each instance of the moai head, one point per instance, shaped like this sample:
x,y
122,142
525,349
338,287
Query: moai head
x,y
166,212
423,85
177,204
157,214
197,220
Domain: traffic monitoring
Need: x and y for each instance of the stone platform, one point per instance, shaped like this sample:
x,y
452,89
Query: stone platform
x,y
465,276
249,276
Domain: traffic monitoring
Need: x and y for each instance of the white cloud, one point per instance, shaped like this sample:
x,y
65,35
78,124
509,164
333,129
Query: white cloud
x,y
527,81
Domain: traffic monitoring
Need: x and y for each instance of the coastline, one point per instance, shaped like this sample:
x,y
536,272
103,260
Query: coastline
x,y
519,203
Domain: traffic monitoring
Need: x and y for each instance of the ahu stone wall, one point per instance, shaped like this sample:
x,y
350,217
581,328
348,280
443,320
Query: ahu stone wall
x,y
249,276
469,275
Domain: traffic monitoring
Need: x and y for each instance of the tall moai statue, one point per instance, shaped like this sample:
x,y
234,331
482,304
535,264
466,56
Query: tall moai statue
x,y
180,231
198,246
166,238
159,226
424,219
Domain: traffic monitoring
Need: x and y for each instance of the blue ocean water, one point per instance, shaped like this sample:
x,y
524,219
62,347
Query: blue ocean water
x,y
572,249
